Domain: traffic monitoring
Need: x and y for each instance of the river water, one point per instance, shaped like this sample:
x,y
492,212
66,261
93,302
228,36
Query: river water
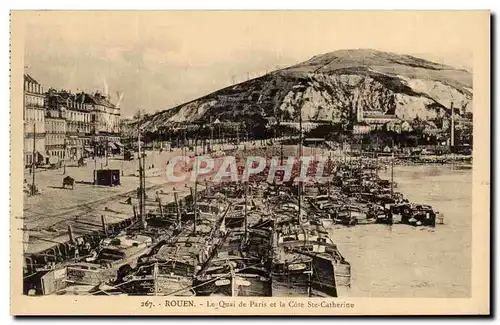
x,y
402,261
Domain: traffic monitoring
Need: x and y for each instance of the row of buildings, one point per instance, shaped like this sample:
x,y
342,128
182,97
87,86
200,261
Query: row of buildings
x,y
60,125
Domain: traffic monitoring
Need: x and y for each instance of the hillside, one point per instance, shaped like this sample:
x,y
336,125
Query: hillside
x,y
331,87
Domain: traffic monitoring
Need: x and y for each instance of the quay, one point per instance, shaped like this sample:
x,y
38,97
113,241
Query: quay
x,y
227,238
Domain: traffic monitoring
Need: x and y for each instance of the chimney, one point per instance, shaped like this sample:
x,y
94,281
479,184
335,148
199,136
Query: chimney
x,y
452,140
359,113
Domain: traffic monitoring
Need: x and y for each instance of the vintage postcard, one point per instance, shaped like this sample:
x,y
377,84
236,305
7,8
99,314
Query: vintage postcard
x,y
250,162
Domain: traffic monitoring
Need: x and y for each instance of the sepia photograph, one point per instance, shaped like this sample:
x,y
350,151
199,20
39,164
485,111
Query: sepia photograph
x,y
250,162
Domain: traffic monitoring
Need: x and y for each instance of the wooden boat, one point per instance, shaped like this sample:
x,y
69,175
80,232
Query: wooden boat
x,y
234,276
326,256
330,270
422,215
170,268
123,249
355,215
291,275
165,278
239,268
343,217
292,271
211,210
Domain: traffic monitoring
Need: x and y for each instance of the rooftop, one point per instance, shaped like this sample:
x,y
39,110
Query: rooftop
x,y
378,115
64,97
28,78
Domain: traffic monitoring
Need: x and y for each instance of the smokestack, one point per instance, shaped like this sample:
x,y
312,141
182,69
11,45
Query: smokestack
x,y
106,90
119,95
71,235
452,140
104,228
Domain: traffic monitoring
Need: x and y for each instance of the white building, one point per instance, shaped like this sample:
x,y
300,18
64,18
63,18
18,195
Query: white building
x,y
34,122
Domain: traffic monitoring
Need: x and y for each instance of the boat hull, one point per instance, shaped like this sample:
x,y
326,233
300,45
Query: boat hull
x,y
284,285
342,275
323,280
293,280
162,286
327,223
237,286
174,286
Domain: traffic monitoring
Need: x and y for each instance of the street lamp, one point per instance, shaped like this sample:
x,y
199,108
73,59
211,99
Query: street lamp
x,y
106,150
64,156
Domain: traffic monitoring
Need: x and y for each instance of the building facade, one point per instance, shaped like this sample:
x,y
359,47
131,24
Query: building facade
x,y
306,125
368,121
361,128
92,124
60,125
104,123
34,122
55,138
79,128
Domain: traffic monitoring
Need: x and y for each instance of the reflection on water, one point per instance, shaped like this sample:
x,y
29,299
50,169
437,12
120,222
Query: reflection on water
x,y
402,261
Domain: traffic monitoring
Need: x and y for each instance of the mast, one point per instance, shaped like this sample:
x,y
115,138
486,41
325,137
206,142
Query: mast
x,y
177,210
159,204
330,167
351,141
33,162
246,201
361,154
220,137
141,188
233,280
195,196
106,150
300,163
342,146
310,272
376,158
237,135
211,135
144,180
64,157
452,135
155,278
281,145
392,170
184,144
95,162
246,210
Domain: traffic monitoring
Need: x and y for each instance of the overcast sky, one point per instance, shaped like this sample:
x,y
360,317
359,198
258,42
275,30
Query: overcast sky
x,y
160,59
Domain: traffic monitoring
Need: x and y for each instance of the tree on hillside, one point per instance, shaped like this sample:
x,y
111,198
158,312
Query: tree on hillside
x,y
139,114
418,124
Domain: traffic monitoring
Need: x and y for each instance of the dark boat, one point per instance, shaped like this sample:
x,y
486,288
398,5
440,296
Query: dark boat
x,y
234,276
422,215
331,271
291,270
291,275
169,271
171,266
308,263
239,267
343,217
